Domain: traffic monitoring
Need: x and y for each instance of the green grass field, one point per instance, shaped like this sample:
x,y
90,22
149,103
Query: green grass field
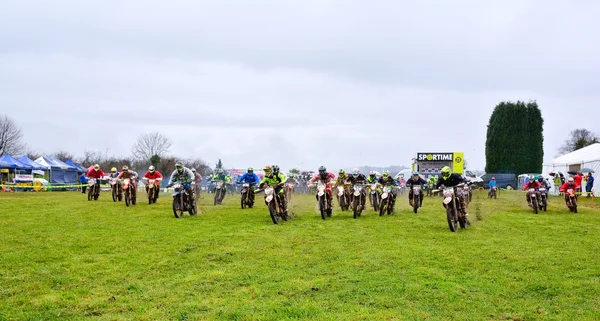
x,y
64,258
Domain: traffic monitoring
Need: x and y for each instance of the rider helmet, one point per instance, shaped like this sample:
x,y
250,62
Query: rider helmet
x,y
96,167
355,172
385,174
372,173
493,178
113,170
268,170
151,169
125,168
342,172
541,179
275,169
250,170
220,171
322,171
415,175
446,172
194,170
571,181
179,167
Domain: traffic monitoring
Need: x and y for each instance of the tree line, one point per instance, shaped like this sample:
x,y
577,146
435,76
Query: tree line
x,y
148,149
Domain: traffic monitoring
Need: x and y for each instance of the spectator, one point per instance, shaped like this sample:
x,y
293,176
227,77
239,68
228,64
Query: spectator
x,y
590,185
557,183
578,179
83,181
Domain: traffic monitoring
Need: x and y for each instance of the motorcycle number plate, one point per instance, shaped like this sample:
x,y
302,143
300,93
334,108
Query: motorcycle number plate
x,y
384,195
320,193
447,200
356,193
269,198
340,193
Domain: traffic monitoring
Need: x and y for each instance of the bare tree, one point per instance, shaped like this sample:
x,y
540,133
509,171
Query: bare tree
x,y
579,138
63,155
10,137
33,154
151,144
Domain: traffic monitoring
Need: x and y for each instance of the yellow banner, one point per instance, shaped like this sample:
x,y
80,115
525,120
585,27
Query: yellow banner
x,y
458,163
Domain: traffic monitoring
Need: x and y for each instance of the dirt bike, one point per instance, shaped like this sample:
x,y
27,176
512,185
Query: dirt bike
x,y
493,192
246,200
219,193
130,195
289,190
374,196
93,189
467,194
429,190
402,189
571,200
153,188
416,196
115,189
324,205
387,201
534,200
183,202
343,198
543,199
275,204
454,215
357,200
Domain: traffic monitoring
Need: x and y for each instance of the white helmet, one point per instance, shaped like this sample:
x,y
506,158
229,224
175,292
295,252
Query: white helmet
x,y
151,168
372,173
355,172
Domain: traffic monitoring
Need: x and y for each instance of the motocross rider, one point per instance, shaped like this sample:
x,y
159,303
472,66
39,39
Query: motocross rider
x,y
531,184
115,174
358,179
326,178
221,177
98,174
450,179
251,179
185,177
197,179
570,184
275,181
415,180
132,175
545,184
387,180
152,173
341,179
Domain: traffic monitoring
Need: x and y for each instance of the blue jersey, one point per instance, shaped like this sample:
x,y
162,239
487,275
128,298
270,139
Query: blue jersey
x,y
248,178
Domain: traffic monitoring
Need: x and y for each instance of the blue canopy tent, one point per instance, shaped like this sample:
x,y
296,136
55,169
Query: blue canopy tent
x,y
60,173
13,163
4,164
80,169
35,166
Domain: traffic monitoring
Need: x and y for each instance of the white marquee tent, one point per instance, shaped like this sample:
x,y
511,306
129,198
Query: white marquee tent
x,y
587,157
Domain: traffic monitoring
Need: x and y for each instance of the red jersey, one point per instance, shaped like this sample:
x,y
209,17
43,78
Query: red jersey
x,y
154,175
532,184
329,178
566,186
95,174
578,178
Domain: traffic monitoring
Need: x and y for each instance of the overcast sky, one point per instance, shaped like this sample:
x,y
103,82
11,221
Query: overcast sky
x,y
296,83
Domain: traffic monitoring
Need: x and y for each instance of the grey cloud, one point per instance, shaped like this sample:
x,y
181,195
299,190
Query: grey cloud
x,y
299,83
